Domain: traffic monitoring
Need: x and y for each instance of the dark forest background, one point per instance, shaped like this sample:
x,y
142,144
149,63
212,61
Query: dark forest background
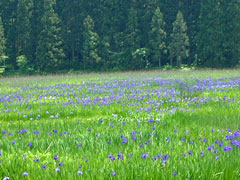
x,y
103,35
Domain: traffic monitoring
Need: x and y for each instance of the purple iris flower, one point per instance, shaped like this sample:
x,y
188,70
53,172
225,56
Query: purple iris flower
x,y
227,148
25,174
144,155
120,156
57,169
124,141
55,157
133,133
134,138
79,172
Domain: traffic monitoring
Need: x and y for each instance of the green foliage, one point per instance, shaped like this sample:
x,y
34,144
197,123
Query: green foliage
x,y
90,45
52,35
22,63
167,67
158,36
49,52
141,56
218,37
179,44
2,39
132,39
23,28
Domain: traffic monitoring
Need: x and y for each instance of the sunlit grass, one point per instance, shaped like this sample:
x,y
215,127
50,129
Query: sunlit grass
x,y
153,123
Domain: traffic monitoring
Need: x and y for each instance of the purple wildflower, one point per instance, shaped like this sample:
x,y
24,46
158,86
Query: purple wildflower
x,y
124,141
80,173
120,156
57,169
55,157
154,158
190,152
133,133
144,155
111,157
150,120
227,148
25,174
54,130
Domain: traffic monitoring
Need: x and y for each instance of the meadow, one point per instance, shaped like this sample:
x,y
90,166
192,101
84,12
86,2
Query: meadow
x,y
134,125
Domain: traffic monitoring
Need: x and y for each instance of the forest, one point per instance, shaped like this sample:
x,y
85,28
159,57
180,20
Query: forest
x,y
101,35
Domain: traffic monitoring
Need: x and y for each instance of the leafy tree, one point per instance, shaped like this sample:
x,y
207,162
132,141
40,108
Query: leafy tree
x,y
90,44
49,52
158,36
179,42
23,29
141,56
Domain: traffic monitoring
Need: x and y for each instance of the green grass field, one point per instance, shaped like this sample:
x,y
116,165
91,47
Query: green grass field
x,y
134,125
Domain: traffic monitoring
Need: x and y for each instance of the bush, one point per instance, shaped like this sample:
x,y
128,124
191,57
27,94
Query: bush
x,y
22,63
167,67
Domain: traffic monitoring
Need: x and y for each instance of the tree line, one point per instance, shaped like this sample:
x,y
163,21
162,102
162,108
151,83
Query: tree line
x,y
55,35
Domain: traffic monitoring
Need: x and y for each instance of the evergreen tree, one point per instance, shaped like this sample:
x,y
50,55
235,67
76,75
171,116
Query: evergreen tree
x,y
70,13
8,13
218,36
236,33
49,52
2,48
158,36
179,40
2,39
132,41
23,29
90,44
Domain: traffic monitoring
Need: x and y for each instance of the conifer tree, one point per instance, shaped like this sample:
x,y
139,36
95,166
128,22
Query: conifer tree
x,y
132,42
2,39
2,48
90,44
218,36
49,52
179,41
236,33
158,36
23,28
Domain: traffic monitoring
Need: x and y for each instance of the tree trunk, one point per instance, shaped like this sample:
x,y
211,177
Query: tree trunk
x,y
171,61
159,64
